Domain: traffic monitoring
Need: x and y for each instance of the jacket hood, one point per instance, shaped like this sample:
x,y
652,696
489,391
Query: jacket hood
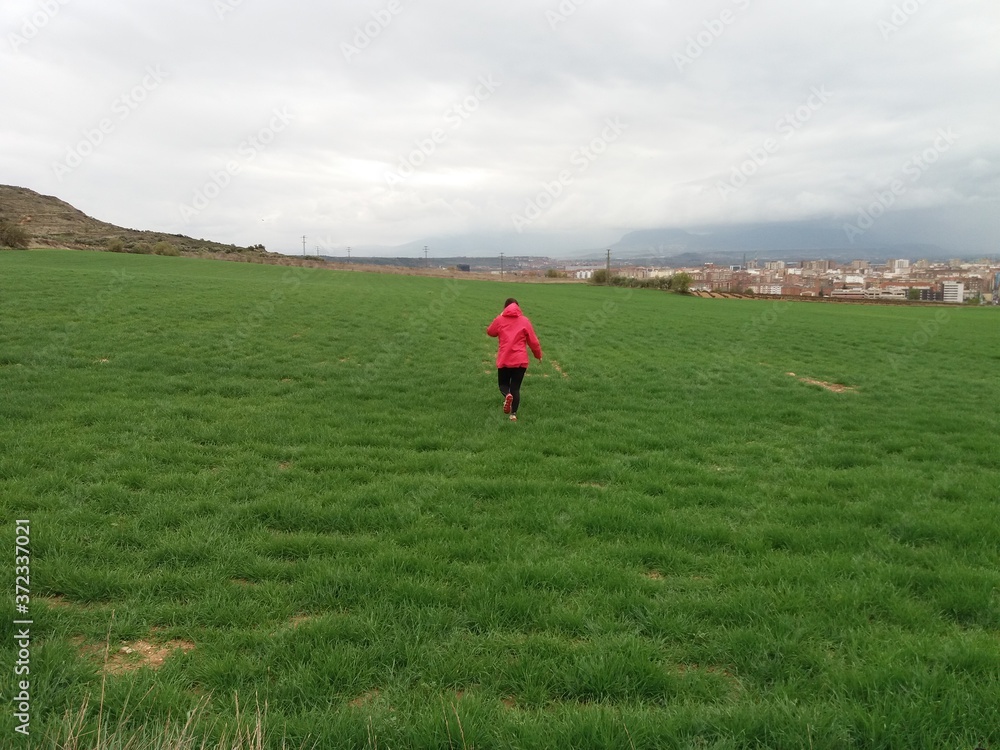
x,y
512,311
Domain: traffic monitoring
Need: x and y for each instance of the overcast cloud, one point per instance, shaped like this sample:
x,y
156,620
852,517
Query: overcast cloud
x,y
387,121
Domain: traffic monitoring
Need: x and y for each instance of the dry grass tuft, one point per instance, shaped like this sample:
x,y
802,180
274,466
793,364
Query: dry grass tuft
x,y
834,387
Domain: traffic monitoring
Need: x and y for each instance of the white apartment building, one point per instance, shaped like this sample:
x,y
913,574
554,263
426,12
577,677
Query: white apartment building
x,y
899,266
767,289
954,291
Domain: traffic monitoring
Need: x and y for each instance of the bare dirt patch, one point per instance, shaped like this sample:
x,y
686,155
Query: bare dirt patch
x,y
559,369
654,575
365,698
285,465
56,601
834,387
130,657
297,620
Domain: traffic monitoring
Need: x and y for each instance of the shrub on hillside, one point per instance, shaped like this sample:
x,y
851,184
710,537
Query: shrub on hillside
x,y
13,235
165,248
115,245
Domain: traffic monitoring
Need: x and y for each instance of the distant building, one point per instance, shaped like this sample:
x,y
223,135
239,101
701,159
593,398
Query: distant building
x,y
852,292
766,289
659,273
953,291
633,272
818,266
901,265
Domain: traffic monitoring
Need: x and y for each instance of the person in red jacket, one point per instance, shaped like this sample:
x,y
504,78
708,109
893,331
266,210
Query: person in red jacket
x,y
515,335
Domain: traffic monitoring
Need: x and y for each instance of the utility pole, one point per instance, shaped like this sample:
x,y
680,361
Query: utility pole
x,y
303,246
501,266
348,254
608,278
426,262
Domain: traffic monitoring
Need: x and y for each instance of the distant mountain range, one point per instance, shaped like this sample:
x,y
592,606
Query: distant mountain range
x,y
793,241
932,234
968,232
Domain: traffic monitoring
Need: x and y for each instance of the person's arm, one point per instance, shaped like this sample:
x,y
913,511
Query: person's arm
x,y
494,329
536,347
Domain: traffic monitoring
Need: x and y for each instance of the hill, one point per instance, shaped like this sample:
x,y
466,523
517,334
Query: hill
x,y
52,222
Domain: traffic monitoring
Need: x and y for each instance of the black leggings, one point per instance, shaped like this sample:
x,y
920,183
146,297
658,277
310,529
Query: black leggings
x,y
509,379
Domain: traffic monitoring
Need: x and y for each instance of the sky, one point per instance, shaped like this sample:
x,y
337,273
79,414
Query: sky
x,y
551,123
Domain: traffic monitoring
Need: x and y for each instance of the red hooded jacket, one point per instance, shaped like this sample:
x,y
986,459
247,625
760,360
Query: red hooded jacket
x,y
515,332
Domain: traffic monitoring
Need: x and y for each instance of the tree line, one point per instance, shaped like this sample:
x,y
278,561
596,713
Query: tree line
x,y
679,282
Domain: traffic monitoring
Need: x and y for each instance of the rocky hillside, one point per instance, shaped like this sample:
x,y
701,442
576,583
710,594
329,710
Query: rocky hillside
x,y
55,223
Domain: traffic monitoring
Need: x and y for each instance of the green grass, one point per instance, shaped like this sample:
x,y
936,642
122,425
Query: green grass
x,y
307,475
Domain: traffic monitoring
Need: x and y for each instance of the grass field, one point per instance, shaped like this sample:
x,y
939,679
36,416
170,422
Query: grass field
x,y
299,485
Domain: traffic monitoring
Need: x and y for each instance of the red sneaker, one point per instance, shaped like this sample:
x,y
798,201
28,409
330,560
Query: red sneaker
x,y
507,402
